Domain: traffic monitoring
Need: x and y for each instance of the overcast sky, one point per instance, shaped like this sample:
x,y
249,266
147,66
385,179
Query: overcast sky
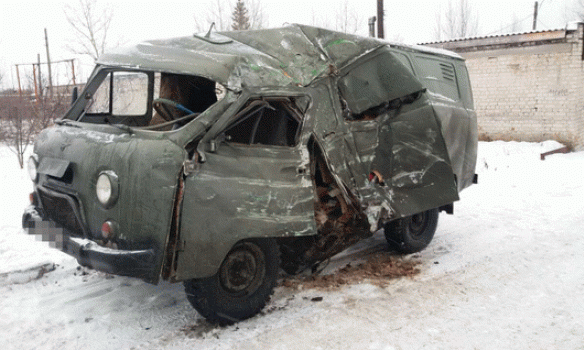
x,y
412,21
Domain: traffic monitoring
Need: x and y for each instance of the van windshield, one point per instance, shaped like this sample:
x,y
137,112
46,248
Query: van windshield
x,y
153,100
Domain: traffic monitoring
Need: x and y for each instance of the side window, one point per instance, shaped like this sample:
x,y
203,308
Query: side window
x,y
273,122
121,94
438,76
100,101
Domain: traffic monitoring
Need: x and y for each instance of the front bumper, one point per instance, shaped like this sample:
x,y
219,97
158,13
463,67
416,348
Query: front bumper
x,y
133,263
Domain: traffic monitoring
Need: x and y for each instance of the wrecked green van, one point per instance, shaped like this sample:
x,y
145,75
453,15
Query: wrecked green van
x,y
218,159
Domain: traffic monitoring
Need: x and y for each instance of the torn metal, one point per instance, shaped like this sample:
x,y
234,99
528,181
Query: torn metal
x,y
179,149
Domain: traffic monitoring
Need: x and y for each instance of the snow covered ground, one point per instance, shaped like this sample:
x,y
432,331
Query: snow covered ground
x,y
505,272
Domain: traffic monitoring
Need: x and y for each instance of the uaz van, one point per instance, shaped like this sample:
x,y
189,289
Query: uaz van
x,y
219,158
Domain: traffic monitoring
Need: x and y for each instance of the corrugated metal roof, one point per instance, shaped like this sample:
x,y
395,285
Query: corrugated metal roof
x,y
494,36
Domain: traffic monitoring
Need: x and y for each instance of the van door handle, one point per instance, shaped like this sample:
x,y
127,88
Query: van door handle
x,y
294,170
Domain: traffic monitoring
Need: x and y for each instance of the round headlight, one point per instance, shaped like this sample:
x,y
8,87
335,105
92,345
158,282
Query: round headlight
x,y
106,188
32,168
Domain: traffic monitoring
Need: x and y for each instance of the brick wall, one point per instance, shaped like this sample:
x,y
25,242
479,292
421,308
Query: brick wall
x,y
528,87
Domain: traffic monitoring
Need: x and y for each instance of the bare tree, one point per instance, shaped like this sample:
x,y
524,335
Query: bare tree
x,y
91,25
240,17
257,20
217,14
220,14
22,118
346,19
459,21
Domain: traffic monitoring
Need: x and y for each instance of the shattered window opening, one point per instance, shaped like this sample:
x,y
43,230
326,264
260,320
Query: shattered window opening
x,y
376,85
146,99
190,95
274,123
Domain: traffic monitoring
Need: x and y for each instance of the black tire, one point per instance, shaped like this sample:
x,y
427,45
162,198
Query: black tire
x,y
241,287
412,234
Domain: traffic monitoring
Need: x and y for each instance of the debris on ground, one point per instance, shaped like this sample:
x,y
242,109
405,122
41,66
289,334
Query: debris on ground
x,y
377,269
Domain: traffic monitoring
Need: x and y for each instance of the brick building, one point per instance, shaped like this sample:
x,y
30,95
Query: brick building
x,y
529,86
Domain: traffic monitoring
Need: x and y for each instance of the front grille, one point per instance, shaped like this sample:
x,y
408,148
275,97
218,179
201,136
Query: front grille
x,y
59,208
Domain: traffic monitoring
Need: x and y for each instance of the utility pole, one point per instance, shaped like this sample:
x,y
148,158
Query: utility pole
x,y
34,78
380,33
18,78
49,64
535,8
73,71
40,77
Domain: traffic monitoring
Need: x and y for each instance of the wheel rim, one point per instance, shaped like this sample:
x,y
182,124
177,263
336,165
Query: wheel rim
x,y
243,270
417,224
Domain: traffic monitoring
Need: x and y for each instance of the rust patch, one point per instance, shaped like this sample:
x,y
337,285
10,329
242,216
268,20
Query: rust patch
x,y
378,269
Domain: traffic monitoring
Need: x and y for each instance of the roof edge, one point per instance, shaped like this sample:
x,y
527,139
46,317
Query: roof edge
x,y
543,34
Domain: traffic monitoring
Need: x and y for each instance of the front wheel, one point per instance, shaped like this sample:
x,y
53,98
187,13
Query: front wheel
x,y
413,233
241,287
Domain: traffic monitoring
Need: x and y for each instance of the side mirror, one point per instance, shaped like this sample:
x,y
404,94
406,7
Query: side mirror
x,y
75,95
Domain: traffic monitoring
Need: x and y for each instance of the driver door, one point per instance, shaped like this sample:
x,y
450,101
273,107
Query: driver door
x,y
254,183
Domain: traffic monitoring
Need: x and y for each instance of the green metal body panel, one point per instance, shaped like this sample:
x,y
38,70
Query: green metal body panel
x,y
243,192
423,145
147,167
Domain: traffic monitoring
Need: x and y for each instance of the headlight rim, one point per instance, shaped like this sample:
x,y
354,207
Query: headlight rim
x,y
112,179
33,159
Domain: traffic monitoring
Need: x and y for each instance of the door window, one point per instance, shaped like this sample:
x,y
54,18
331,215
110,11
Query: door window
x,y
273,122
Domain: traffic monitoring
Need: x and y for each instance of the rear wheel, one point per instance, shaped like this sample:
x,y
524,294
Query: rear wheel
x,y
241,287
413,233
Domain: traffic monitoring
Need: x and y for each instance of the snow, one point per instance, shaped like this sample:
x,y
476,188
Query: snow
x,y
506,271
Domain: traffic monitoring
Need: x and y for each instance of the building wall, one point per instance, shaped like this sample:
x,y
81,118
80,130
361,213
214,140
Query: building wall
x,y
528,87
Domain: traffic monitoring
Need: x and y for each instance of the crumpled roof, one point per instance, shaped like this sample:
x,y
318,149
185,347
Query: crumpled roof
x,y
294,54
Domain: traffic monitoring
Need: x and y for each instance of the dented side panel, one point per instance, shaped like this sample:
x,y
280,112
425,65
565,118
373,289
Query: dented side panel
x,y
243,192
421,176
459,128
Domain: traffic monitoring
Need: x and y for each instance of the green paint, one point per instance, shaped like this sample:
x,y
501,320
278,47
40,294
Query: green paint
x,y
338,42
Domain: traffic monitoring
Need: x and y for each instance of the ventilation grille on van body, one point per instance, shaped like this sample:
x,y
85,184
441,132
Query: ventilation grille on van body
x,y
447,72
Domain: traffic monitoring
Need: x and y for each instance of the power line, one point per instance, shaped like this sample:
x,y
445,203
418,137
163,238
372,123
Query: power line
x,y
510,25
517,22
